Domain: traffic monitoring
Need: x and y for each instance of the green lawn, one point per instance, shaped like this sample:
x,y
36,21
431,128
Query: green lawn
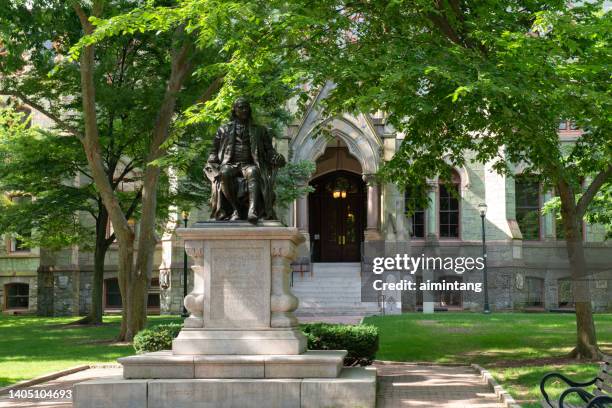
x,y
33,346
518,348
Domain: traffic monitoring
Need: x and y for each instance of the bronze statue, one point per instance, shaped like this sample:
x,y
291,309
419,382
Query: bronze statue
x,y
242,169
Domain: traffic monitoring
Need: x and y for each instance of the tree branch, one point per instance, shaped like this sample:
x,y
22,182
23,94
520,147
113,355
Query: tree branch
x,y
134,203
59,121
592,190
129,167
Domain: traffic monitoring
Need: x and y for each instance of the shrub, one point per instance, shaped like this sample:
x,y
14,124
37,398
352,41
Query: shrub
x,y
360,341
156,338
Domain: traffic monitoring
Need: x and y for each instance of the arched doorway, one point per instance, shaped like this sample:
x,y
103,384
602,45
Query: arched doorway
x,y
337,217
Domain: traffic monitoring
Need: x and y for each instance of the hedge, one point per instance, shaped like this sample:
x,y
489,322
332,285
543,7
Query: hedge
x,y
360,341
156,338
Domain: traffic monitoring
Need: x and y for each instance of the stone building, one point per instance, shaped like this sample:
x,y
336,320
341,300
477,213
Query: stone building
x,y
347,216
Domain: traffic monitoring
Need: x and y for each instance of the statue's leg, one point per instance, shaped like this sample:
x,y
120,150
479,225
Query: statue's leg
x,y
228,187
253,177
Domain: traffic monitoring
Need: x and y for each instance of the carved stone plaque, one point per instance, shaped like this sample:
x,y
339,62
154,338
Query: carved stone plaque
x,y
239,284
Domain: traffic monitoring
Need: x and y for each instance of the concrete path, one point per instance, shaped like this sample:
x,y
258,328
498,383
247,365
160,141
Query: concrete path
x,y
399,385
411,385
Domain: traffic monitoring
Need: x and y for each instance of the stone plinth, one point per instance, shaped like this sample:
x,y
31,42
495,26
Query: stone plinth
x,y
241,302
241,345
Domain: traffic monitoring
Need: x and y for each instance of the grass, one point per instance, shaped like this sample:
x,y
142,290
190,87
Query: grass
x,y
518,348
33,346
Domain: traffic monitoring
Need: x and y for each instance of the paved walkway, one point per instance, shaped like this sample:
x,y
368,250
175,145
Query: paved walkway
x,y
63,383
399,385
411,385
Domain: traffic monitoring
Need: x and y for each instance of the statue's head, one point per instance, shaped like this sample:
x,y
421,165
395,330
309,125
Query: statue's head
x,y
241,109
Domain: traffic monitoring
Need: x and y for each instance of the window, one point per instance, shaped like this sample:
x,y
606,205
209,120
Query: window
x,y
112,294
153,296
416,216
527,193
563,125
449,207
112,297
535,292
17,296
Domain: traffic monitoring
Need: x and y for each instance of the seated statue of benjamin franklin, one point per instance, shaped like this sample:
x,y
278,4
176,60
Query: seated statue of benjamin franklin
x,y
242,169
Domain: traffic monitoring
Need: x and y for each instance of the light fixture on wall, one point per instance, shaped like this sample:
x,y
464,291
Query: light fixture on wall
x,y
339,190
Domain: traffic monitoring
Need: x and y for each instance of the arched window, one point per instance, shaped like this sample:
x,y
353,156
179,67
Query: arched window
x,y
17,296
528,202
448,206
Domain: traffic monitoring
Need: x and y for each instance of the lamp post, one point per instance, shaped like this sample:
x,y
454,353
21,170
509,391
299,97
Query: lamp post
x,y
482,208
185,215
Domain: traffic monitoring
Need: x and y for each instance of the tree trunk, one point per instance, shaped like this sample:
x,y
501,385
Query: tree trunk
x,y
95,313
586,339
126,266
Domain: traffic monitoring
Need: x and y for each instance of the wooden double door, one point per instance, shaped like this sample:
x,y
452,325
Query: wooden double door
x,y
337,217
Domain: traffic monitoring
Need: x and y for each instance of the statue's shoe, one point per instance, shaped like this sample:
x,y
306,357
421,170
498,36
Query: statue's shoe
x,y
252,218
235,216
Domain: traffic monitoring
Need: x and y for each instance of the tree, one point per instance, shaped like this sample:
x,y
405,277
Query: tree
x,y
155,59
494,78
127,72
42,165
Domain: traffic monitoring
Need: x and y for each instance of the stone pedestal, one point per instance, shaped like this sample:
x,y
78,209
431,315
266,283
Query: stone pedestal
x,y
241,345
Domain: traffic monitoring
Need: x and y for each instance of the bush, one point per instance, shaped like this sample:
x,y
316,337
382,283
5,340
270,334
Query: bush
x,y
360,341
156,338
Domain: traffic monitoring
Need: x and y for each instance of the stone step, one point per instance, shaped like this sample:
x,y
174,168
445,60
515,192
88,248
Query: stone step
x,y
354,387
164,364
331,289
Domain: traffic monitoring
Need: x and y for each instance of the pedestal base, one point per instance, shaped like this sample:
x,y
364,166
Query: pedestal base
x,y
354,388
162,364
243,342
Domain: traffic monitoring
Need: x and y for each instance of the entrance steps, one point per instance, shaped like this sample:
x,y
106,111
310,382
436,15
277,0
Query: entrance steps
x,y
333,289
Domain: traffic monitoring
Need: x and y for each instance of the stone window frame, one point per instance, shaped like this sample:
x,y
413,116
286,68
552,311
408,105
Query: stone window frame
x,y
539,207
456,181
7,286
